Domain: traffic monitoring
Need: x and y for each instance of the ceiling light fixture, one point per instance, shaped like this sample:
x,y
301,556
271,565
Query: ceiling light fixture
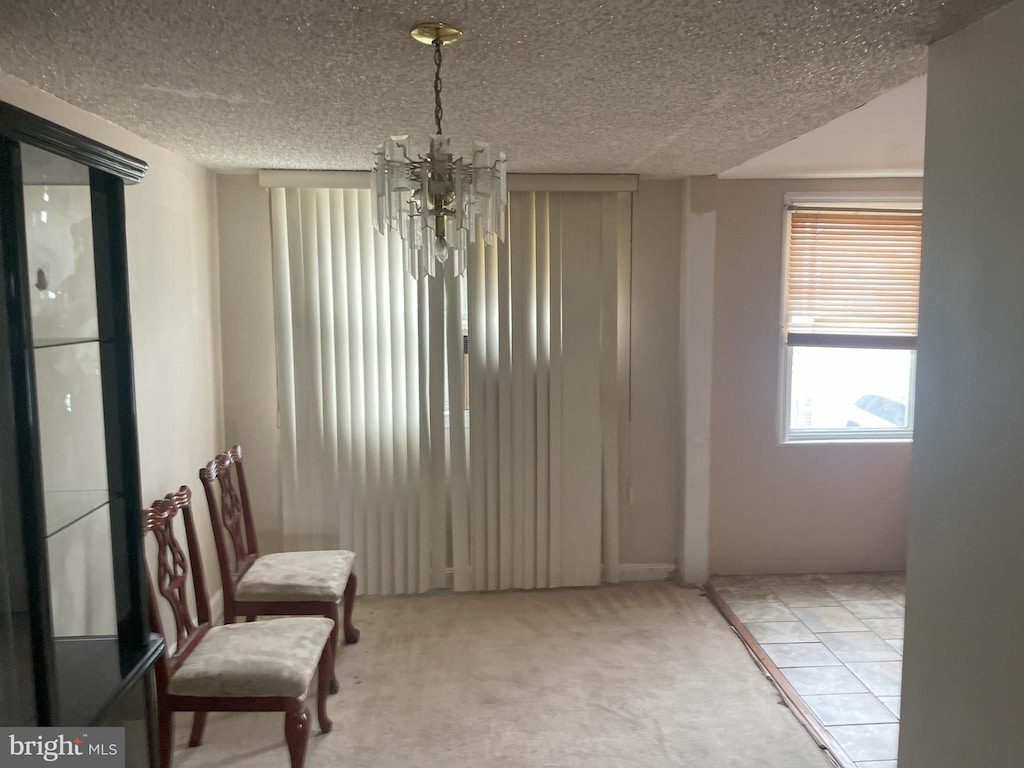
x,y
434,202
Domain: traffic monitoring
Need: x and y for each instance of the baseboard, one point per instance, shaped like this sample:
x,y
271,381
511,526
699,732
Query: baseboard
x,y
647,571
627,572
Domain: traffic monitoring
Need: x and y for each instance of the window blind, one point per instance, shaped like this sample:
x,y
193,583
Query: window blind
x,y
529,495
852,273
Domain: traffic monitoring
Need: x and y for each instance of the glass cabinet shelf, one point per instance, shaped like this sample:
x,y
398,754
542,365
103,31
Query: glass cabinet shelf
x,y
88,673
90,670
64,508
64,342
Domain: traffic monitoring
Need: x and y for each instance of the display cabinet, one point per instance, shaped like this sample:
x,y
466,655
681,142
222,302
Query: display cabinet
x,y
75,648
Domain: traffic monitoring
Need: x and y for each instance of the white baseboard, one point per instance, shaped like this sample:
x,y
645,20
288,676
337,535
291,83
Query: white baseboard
x,y
647,571
627,572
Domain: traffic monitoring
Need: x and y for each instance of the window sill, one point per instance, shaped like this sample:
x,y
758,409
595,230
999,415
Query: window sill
x,y
834,439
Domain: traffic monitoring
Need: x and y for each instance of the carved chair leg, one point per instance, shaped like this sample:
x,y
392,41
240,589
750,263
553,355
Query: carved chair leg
x,y
165,724
325,672
296,733
332,642
198,726
348,603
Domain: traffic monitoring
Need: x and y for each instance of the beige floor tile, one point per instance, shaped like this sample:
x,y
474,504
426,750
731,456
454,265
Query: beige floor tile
x,y
826,618
781,632
859,646
878,764
783,579
804,596
746,612
897,644
892,702
874,609
883,678
849,709
896,592
887,629
800,655
811,681
856,592
796,579
747,593
868,742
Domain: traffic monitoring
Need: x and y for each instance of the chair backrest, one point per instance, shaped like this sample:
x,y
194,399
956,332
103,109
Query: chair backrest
x,y
172,577
227,497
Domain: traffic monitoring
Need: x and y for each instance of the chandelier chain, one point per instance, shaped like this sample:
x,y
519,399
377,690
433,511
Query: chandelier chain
x,y
438,111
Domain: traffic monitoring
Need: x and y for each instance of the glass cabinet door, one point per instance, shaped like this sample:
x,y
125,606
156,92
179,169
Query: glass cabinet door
x,y
75,649
69,395
74,389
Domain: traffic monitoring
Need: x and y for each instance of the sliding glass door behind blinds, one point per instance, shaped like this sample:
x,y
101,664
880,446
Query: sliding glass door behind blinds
x,y
375,369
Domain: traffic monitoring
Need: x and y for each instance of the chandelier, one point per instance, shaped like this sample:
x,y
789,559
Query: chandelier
x,y
436,201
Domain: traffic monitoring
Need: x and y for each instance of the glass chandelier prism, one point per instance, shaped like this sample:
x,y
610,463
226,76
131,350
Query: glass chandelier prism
x,y
436,202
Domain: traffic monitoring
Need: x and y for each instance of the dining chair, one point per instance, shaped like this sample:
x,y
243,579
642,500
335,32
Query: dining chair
x,y
260,667
277,584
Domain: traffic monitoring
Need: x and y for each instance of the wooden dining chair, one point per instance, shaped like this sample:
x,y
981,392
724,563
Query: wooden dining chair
x,y
260,667
277,584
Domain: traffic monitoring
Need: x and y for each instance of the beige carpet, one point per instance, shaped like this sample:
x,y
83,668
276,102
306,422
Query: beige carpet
x,y
641,675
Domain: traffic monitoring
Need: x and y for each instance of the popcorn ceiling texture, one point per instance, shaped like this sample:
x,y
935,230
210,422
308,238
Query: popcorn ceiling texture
x,y
663,88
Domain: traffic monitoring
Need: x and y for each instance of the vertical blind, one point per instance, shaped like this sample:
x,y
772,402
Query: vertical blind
x,y
852,272
376,453
355,393
548,355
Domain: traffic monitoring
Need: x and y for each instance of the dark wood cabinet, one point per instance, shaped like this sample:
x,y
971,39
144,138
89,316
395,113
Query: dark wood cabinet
x,y
75,648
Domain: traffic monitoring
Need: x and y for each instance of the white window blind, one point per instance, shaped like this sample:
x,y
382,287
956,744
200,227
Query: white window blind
x,y
852,274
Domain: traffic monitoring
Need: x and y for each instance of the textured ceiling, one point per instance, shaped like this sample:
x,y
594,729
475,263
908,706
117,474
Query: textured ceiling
x,y
885,137
662,88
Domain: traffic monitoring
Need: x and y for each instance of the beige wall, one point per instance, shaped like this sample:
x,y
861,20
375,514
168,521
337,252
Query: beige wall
x,y
696,348
786,508
648,529
250,358
963,682
174,284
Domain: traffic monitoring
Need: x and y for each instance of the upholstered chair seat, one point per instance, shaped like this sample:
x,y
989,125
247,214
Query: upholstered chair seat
x,y
266,658
284,577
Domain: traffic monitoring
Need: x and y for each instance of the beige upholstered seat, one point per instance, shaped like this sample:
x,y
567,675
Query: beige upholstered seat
x,y
296,577
278,657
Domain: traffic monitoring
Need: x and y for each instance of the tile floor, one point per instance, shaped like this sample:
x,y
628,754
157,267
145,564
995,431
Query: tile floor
x,y
838,640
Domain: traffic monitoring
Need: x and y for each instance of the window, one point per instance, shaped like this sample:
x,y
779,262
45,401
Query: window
x,y
850,318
